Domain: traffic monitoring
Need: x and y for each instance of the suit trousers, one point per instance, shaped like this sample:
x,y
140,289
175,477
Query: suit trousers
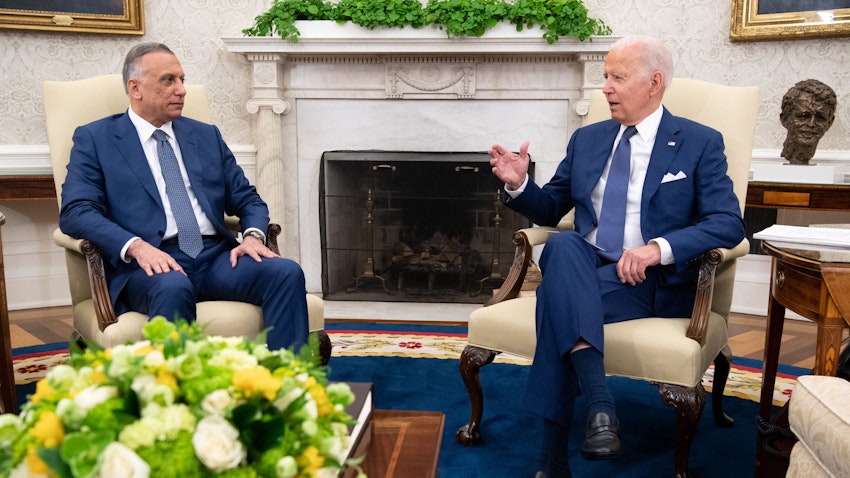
x,y
277,285
580,292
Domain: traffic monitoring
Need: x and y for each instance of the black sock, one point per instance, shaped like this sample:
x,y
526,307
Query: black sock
x,y
554,459
590,368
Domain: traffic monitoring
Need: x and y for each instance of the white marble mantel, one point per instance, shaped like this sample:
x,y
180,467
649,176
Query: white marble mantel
x,y
350,88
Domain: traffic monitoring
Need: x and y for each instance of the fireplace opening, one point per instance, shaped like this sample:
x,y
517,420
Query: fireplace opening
x,y
412,226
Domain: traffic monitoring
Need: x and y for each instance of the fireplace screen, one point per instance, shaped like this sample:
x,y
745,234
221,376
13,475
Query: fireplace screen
x,y
419,227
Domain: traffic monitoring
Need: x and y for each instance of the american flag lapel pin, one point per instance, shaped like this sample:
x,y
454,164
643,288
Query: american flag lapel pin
x,y
671,143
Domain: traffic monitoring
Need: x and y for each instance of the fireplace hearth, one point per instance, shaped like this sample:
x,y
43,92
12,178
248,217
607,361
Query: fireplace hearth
x,y
411,226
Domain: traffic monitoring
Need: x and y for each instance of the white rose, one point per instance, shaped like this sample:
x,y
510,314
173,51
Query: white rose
x,y
217,444
120,461
216,402
90,397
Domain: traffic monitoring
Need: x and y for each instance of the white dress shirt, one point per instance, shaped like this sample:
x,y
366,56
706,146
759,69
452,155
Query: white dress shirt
x,y
145,131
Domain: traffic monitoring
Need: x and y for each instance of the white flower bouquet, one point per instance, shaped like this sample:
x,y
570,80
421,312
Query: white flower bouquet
x,y
181,405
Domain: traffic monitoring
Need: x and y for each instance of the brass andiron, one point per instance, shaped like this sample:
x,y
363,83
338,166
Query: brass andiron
x,y
495,272
369,270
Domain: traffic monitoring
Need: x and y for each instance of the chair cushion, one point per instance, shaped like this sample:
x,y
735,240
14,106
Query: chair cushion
x,y
217,317
657,349
819,414
652,349
505,327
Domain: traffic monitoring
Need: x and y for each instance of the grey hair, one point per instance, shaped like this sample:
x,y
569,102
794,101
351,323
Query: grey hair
x,y
131,61
654,55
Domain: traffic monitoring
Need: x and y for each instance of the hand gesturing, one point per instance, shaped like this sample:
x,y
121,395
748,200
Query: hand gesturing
x,y
508,166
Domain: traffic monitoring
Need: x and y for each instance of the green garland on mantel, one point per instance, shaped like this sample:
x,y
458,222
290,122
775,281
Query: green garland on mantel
x,y
458,18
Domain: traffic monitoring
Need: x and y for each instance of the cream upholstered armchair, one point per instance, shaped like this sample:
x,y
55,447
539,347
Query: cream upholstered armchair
x,y
74,103
673,353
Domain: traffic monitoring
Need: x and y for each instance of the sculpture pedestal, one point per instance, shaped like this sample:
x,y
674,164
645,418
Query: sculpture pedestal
x,y
799,173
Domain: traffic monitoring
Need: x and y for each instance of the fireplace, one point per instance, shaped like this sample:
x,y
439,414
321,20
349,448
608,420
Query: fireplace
x,y
413,226
357,90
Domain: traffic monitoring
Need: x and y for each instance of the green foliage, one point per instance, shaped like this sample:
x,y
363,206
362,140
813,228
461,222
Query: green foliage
x,y
466,17
387,13
280,17
557,18
457,18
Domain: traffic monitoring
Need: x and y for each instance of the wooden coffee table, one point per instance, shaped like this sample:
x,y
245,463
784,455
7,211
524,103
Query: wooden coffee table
x,y
404,444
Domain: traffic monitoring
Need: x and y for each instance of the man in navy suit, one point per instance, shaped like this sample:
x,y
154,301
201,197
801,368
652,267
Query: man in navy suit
x,y
679,202
115,195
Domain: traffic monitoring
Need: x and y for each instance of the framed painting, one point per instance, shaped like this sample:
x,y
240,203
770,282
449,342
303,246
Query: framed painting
x,y
760,20
91,16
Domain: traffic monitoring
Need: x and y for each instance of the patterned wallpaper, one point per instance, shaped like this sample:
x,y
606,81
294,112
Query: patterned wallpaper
x,y
696,31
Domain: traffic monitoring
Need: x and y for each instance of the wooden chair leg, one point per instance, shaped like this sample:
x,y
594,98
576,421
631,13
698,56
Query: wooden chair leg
x,y
721,375
471,360
688,403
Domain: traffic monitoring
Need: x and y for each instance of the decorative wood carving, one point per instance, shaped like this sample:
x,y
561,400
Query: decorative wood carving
x,y
688,403
471,360
513,282
705,291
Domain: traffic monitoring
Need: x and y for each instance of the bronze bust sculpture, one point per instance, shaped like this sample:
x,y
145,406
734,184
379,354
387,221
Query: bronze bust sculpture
x,y
808,111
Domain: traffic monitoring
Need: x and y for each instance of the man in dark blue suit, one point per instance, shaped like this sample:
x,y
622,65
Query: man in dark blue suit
x,y
677,202
115,195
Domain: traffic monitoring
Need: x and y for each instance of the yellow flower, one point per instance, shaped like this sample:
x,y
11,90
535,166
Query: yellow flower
x,y
48,430
43,390
144,350
323,403
36,465
98,377
257,381
311,460
165,377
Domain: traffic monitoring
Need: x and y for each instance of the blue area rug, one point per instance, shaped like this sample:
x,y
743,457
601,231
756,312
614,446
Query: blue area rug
x,y
511,435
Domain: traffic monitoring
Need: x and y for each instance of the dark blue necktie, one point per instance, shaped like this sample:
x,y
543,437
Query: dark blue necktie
x,y
612,218
188,233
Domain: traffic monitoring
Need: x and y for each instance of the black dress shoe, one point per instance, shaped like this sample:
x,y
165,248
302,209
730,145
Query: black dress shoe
x,y
602,439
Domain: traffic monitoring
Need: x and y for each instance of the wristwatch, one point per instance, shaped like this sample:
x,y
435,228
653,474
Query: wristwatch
x,y
256,234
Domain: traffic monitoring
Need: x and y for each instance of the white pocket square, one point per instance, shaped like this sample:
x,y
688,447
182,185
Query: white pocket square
x,y
673,177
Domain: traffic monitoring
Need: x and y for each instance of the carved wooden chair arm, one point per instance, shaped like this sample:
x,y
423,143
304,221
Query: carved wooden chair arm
x,y
709,262
97,277
524,240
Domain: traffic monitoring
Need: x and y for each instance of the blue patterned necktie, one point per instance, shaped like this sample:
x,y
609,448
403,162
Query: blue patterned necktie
x,y
612,218
188,232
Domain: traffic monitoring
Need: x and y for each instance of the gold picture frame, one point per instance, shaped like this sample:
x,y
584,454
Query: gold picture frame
x,y
761,20
125,17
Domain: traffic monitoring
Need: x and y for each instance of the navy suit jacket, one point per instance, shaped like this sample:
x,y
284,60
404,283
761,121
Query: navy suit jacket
x,y
693,214
109,194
